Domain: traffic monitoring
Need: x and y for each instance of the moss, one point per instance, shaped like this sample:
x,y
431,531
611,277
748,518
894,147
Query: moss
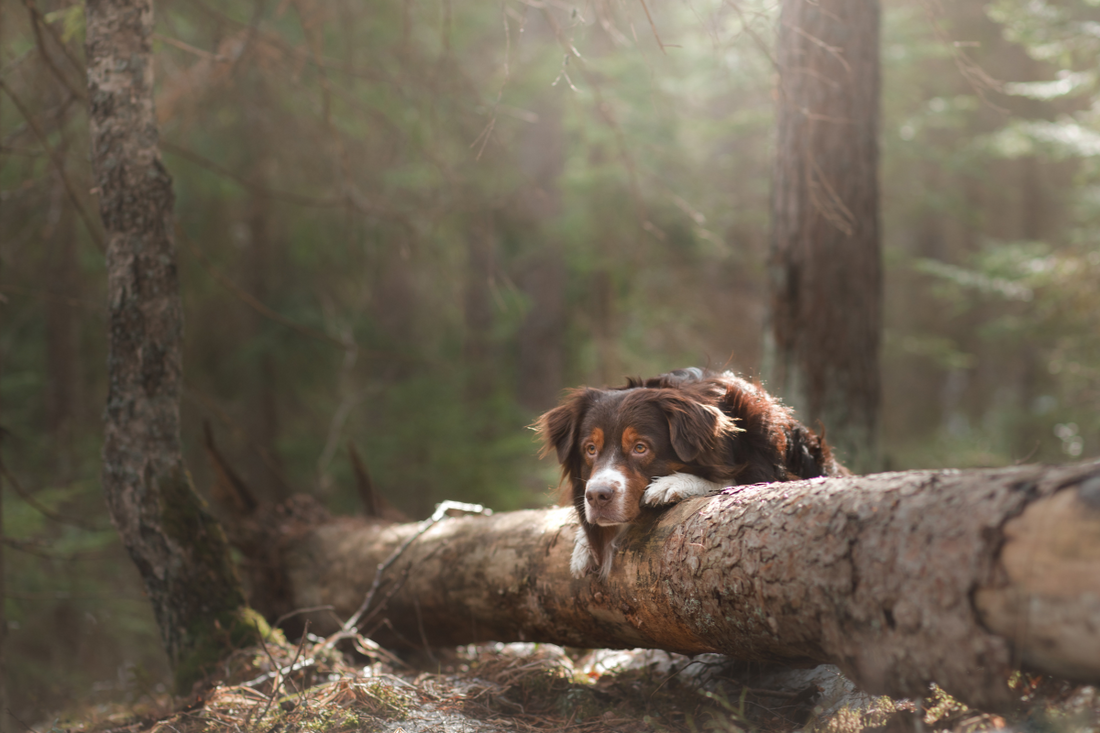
x,y
186,518
206,616
855,720
331,720
386,701
579,703
211,640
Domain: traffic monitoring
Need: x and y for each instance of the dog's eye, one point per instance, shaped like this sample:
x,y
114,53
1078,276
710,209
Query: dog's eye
x,y
590,450
640,449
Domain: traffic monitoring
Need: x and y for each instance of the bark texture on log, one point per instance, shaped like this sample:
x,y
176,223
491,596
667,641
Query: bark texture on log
x,y
900,578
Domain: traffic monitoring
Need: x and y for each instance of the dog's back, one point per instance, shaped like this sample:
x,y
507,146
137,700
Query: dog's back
x,y
771,444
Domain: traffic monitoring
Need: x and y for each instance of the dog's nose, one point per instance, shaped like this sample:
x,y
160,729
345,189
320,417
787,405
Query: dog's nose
x,y
599,495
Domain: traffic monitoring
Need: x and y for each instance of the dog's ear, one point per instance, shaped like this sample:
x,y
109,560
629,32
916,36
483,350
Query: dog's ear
x,y
557,429
694,426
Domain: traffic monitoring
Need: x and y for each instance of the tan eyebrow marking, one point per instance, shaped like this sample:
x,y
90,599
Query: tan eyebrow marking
x,y
630,437
596,436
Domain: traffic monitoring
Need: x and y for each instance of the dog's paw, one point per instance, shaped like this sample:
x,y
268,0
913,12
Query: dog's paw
x,y
582,562
675,488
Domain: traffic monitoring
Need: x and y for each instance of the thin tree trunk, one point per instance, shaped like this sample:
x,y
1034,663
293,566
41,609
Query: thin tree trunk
x,y
263,404
62,356
822,346
543,334
477,347
3,589
177,546
604,333
900,579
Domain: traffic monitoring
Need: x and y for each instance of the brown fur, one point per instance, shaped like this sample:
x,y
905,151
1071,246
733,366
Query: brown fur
x,y
715,426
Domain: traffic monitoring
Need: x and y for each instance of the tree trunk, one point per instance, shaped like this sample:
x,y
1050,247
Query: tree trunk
x,y
478,316
263,403
179,549
822,345
543,334
900,579
62,355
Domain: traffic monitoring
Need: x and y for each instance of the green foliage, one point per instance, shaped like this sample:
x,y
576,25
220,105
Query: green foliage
x,y
411,225
71,20
994,216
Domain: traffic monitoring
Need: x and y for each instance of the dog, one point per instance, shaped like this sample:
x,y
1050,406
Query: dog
x,y
658,441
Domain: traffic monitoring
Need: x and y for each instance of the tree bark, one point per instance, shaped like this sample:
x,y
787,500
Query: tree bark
x,y
825,271
900,579
180,551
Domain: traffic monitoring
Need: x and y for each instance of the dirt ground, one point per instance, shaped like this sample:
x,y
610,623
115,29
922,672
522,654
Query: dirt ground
x,y
315,688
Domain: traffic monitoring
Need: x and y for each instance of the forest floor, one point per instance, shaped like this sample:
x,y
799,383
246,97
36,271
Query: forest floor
x,y
533,688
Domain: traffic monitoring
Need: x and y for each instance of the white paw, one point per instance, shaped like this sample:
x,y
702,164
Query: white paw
x,y
676,487
582,555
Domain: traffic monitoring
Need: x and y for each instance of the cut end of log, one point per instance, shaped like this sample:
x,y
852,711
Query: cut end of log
x,y
1047,597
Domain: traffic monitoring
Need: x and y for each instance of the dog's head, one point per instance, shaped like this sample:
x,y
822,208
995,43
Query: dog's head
x,y
613,443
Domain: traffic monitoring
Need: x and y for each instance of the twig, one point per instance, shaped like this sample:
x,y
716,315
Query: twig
x,y
746,26
307,662
252,301
487,133
43,510
369,647
17,720
52,296
36,22
238,495
603,109
423,635
275,665
308,56
348,400
398,585
201,53
298,653
250,34
280,672
297,611
363,484
78,65
210,404
290,197
977,77
653,26
28,546
836,52
441,510
59,165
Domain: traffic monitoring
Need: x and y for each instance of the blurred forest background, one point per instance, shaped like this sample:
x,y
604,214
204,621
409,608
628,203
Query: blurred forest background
x,y
409,225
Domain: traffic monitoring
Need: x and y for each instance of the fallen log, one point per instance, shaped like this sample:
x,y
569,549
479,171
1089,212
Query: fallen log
x,y
900,579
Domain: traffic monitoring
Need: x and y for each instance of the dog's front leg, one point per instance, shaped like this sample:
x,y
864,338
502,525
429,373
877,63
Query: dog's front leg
x,y
676,487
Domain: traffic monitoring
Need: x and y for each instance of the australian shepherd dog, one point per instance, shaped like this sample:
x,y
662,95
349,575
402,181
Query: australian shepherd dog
x,y
659,441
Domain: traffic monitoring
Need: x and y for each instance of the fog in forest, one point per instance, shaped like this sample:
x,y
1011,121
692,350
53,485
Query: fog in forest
x,y
409,226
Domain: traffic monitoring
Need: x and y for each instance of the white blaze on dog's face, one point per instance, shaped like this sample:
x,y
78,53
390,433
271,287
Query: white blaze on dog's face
x,y
624,443
621,449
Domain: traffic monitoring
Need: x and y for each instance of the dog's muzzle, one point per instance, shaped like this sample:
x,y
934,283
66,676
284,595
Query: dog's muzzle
x,y
603,497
